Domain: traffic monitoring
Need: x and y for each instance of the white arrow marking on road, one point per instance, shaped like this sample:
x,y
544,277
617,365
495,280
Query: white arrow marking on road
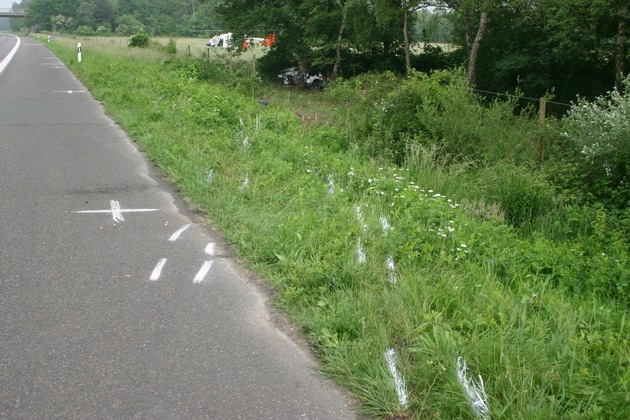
x,y
157,271
179,231
205,267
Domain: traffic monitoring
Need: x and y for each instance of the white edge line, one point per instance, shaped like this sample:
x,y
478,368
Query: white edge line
x,y
179,231
9,57
201,274
157,271
209,249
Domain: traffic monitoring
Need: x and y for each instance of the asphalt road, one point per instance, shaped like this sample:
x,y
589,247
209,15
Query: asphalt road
x,y
114,303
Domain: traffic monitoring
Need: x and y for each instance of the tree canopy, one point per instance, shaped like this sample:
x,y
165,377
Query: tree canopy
x,y
564,47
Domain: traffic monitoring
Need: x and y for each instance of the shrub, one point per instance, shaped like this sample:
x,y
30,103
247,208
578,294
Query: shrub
x,y
84,30
598,134
171,47
140,40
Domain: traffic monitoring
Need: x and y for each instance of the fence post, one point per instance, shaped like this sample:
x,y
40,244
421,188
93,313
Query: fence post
x,y
542,111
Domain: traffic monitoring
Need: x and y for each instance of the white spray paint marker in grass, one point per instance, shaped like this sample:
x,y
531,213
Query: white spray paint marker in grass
x,y
475,391
399,382
245,183
203,271
331,185
391,270
359,212
210,176
175,236
360,252
157,271
385,225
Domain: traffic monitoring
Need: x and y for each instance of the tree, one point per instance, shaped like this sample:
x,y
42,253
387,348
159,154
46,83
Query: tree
x,y
40,12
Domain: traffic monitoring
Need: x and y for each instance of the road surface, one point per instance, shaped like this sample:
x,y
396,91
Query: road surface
x,y
114,302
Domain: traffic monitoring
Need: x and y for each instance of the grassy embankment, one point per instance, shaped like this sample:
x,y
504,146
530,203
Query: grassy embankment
x,y
438,258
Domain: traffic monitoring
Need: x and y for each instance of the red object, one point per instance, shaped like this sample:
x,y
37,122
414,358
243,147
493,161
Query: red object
x,y
269,40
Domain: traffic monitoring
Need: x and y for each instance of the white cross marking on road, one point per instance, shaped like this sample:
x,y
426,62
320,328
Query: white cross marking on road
x,y
116,211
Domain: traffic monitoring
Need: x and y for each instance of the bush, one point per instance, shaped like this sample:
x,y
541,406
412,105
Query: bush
x,y
598,134
140,40
171,47
84,30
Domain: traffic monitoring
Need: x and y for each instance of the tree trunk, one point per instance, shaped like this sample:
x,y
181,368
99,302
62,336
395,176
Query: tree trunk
x,y
406,38
471,72
337,66
621,42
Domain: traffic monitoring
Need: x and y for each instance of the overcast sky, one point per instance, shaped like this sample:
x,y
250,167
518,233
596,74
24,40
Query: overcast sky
x,y
6,4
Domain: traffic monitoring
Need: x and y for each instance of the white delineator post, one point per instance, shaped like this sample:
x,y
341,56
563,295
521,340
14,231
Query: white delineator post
x,y
79,51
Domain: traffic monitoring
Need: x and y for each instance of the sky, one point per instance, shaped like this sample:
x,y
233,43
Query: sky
x,y
6,4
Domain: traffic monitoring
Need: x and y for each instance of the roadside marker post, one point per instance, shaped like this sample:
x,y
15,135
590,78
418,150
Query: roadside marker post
x,y
79,52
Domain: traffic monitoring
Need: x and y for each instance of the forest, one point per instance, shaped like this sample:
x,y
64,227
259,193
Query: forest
x,y
558,48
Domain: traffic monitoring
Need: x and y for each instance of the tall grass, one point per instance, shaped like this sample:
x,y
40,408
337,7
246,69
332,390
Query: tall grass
x,y
445,277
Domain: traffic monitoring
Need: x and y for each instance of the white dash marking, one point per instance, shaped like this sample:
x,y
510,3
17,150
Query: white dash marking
x,y
179,231
201,274
116,213
157,271
399,383
209,248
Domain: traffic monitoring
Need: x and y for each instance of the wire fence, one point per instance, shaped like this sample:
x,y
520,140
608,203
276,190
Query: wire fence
x,y
551,107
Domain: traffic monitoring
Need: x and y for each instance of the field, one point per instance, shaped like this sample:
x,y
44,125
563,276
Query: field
x,y
428,284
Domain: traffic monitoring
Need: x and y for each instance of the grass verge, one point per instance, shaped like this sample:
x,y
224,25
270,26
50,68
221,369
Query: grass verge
x,y
367,256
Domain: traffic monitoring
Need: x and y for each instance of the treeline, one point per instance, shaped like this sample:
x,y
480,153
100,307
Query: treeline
x,y
564,47
122,17
561,48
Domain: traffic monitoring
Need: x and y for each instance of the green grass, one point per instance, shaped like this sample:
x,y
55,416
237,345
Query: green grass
x,y
530,313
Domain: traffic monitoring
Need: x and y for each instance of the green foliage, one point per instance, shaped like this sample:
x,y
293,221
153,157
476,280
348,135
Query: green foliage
x,y
437,109
538,313
171,47
140,40
598,134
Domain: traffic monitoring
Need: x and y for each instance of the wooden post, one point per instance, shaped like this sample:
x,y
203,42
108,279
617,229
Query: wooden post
x,y
189,50
254,63
541,123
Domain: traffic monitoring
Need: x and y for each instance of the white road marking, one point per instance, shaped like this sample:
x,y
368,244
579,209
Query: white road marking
x,y
9,57
201,274
157,271
69,91
116,213
179,231
399,383
209,248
